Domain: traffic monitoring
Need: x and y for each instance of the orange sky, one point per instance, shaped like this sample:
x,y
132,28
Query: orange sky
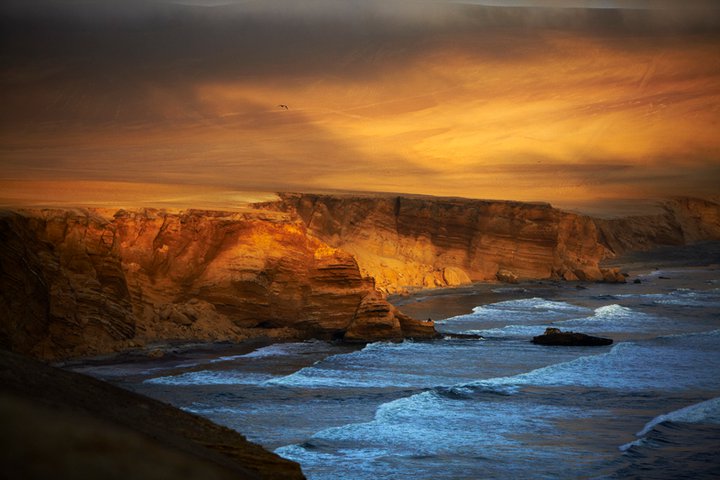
x,y
476,102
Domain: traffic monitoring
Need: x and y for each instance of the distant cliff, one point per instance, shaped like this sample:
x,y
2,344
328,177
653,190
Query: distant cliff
x,y
408,243
80,282
682,221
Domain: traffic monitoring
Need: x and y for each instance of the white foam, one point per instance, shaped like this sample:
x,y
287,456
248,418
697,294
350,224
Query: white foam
x,y
616,318
509,331
565,373
389,365
530,304
389,346
217,410
275,350
703,412
210,377
630,366
525,309
429,423
317,377
606,318
613,311
681,296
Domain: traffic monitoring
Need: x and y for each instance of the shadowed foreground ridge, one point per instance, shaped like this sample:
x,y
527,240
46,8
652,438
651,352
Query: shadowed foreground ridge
x,y
59,424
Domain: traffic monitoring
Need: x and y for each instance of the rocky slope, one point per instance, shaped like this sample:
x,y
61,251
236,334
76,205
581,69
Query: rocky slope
x,y
82,282
408,243
62,425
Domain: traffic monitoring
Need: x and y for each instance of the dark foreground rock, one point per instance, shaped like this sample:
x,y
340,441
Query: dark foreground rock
x,y
63,425
554,336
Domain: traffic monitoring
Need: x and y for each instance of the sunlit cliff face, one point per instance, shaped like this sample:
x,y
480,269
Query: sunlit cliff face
x,y
567,105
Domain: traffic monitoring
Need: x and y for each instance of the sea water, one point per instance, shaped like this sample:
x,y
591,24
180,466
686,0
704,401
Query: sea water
x,y
647,406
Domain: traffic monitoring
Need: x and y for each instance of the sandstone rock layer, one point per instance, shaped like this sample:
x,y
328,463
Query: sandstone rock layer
x,y
409,243
682,221
81,282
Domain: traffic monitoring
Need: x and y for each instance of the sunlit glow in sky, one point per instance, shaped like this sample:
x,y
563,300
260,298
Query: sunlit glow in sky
x,y
577,102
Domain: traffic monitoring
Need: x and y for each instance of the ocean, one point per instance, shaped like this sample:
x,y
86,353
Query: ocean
x,y
647,406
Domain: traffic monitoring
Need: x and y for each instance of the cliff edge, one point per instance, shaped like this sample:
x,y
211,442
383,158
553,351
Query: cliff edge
x,y
682,221
79,282
410,243
85,282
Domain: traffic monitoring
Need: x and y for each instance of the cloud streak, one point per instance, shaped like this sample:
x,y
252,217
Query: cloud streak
x,y
447,98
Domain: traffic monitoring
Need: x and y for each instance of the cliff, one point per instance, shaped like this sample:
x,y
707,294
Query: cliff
x,y
683,221
84,282
409,243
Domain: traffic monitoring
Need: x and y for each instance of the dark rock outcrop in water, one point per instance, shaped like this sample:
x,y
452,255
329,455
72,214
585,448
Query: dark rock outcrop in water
x,y
59,424
84,282
553,336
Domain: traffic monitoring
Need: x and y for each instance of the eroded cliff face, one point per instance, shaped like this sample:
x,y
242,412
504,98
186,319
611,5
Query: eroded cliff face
x,y
80,282
407,243
683,221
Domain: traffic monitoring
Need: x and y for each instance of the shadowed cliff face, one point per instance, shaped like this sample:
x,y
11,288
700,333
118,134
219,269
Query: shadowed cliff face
x,y
408,243
683,221
86,282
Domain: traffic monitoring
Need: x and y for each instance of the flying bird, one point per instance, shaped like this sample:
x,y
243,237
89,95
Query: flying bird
x,y
283,106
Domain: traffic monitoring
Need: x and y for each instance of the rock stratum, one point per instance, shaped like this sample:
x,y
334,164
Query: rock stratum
x,y
407,243
682,221
85,282
411,243
78,282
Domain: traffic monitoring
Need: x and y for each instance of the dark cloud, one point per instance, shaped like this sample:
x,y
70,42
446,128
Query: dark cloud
x,y
90,85
122,49
291,37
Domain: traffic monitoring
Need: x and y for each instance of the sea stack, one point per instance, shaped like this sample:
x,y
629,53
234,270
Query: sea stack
x,y
554,336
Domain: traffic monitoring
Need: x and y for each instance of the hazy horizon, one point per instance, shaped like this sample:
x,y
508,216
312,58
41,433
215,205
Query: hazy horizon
x,y
569,102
